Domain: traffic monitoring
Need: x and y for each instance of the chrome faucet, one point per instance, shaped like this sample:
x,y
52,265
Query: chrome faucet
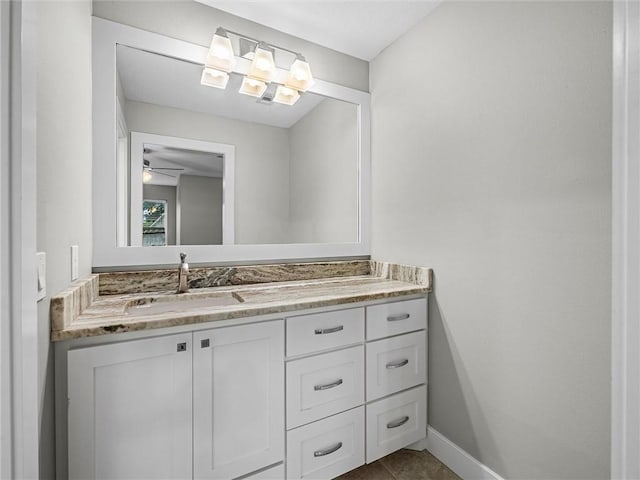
x,y
183,274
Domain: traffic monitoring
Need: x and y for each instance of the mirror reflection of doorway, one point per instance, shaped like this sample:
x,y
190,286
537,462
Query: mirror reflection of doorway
x,y
154,223
194,178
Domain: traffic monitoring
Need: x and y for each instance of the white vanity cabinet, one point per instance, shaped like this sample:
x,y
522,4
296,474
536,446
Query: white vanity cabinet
x,y
339,387
238,399
208,404
396,376
356,386
130,410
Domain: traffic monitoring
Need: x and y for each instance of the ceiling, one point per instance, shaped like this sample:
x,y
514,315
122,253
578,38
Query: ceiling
x,y
166,164
357,28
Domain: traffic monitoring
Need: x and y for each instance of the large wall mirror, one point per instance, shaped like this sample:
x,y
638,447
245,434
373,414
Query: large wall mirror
x,y
179,166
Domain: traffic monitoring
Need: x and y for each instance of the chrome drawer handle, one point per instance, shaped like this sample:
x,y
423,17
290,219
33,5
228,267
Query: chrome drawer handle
x,y
322,331
398,364
398,423
327,451
395,318
327,386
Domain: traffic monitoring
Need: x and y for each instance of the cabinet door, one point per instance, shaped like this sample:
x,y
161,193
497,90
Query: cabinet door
x,y
130,410
238,376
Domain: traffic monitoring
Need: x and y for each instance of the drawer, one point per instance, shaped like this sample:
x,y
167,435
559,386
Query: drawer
x,y
395,318
396,422
326,448
323,385
273,473
395,364
321,331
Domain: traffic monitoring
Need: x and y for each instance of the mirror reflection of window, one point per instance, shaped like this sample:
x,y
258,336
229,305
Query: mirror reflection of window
x,y
154,223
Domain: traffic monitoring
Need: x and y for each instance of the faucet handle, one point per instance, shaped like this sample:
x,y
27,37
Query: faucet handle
x,y
183,257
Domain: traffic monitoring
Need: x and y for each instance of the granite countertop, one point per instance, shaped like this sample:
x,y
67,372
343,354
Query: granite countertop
x,y
82,311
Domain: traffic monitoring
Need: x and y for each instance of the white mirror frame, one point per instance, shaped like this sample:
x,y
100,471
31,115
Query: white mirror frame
x,y
106,252
138,140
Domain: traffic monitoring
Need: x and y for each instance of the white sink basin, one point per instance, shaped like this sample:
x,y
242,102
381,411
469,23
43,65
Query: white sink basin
x,y
181,303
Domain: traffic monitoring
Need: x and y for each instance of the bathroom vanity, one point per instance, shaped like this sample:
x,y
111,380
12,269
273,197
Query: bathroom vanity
x,y
294,379
258,371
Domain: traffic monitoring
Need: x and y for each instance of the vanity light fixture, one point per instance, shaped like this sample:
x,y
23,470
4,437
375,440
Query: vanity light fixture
x,y
286,95
252,87
263,66
146,176
220,55
261,71
214,78
300,77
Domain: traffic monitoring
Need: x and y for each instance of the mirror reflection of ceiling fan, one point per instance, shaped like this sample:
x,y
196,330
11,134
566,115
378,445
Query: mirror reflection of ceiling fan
x,y
148,170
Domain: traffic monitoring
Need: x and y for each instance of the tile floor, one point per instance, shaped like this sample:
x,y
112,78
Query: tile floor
x,y
403,465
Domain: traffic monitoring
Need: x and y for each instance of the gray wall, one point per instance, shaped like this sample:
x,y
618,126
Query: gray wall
x,y
194,22
491,163
64,172
324,175
262,164
200,203
167,193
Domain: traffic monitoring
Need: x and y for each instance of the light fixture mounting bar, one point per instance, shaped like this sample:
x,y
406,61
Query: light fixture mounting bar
x,y
242,35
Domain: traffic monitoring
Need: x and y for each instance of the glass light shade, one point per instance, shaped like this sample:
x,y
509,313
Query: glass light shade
x,y
252,87
263,67
286,95
146,176
220,54
300,76
214,78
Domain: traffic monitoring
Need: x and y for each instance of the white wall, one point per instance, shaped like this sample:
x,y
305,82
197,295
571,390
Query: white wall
x,y
261,167
200,200
324,175
491,163
64,171
194,22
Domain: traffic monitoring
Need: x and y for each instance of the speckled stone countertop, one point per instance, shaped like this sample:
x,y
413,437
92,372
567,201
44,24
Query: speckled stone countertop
x,y
82,310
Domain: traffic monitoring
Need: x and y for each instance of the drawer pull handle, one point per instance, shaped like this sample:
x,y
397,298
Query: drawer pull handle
x,y
398,364
395,318
322,331
398,423
327,386
328,451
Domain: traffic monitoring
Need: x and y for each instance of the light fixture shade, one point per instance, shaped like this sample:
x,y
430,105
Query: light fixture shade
x,y
286,95
263,66
220,54
214,78
146,176
300,76
252,87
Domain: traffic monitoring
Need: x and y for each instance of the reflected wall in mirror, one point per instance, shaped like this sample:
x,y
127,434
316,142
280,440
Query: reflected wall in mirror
x,y
266,173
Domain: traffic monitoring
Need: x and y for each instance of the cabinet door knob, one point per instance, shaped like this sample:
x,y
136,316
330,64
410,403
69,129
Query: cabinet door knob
x,y
327,386
327,451
395,318
399,422
322,331
398,364
182,347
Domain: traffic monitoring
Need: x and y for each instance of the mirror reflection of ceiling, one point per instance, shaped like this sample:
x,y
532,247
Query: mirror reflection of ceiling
x,y
156,79
166,164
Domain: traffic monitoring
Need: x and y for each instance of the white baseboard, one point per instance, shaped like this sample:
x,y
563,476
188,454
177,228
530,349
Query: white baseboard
x,y
463,464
